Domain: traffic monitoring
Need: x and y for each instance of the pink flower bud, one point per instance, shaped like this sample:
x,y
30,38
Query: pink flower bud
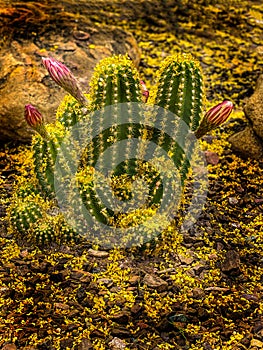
x,y
64,78
32,116
35,119
144,90
216,116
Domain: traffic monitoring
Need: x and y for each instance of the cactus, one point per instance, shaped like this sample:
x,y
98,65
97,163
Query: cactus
x,y
115,87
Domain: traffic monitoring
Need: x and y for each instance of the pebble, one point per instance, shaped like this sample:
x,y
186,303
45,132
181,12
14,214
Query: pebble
x,y
62,306
117,344
121,317
231,262
134,279
98,253
232,200
186,260
212,157
198,293
85,344
155,282
9,347
121,332
80,35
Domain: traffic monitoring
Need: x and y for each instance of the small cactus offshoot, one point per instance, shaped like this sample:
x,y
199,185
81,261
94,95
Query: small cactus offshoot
x,y
178,98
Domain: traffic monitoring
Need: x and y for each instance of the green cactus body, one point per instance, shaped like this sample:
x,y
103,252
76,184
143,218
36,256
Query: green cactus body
x,y
25,214
179,89
44,158
116,90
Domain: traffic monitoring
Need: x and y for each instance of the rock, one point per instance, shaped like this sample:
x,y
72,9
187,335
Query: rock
x,y
121,317
23,79
98,253
66,343
155,282
136,308
85,344
9,347
134,279
212,157
249,142
254,108
232,200
198,293
185,260
117,344
120,332
231,262
61,306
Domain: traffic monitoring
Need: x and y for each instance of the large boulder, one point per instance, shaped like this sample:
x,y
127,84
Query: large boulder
x,y
249,142
23,79
254,108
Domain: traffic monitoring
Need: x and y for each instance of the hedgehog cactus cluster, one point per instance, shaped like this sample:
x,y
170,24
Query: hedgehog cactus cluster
x,y
58,155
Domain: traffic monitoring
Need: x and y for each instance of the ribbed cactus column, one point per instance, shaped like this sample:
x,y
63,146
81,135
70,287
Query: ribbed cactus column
x,y
115,82
179,89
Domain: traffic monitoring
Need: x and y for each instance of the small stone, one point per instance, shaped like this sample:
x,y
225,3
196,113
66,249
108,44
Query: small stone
x,y
80,35
216,289
155,282
212,256
185,260
96,333
98,253
85,345
61,306
66,343
9,347
197,269
250,297
121,317
258,326
131,288
81,275
232,200
240,189
212,157
258,200
106,281
134,279
198,293
231,262
23,253
121,332
117,344
136,308
76,275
